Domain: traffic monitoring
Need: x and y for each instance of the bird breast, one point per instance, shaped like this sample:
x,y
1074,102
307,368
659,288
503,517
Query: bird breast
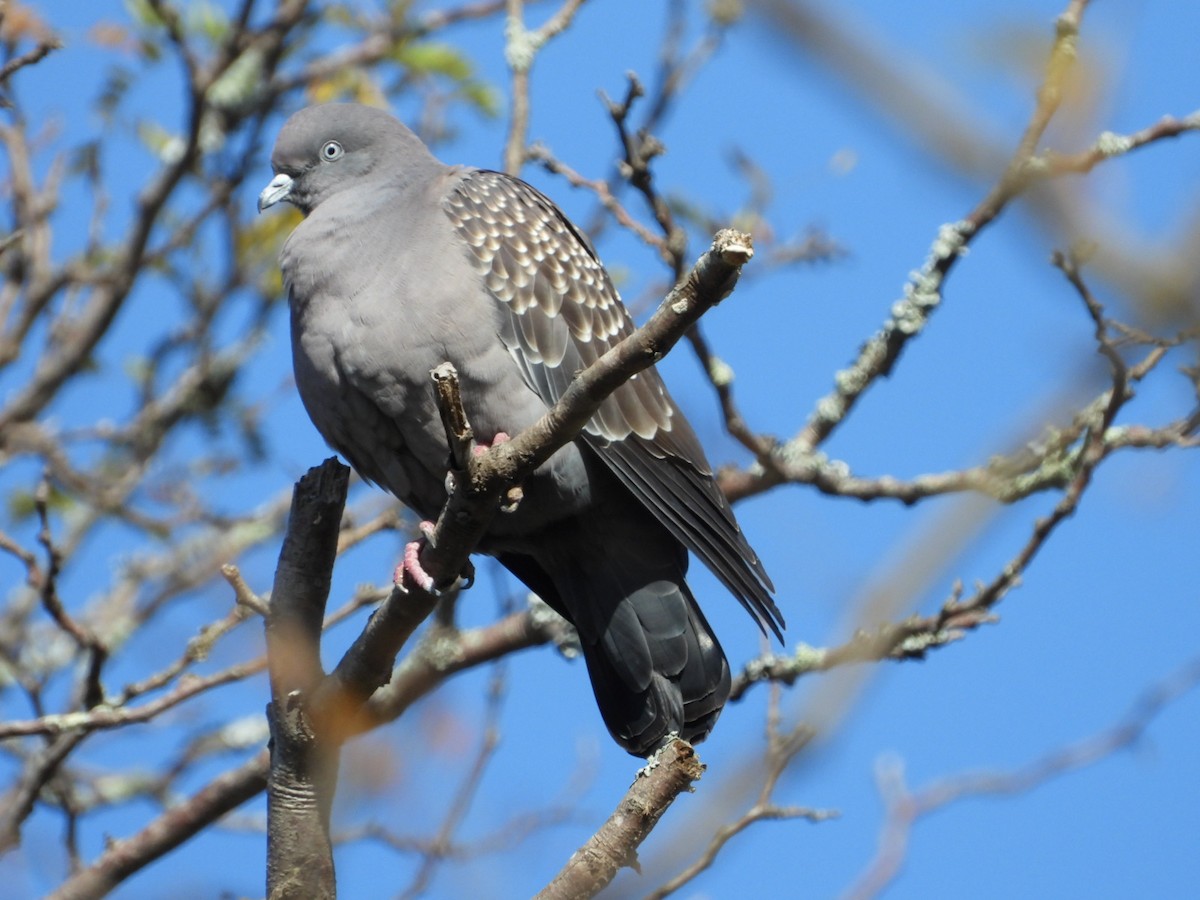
x,y
364,339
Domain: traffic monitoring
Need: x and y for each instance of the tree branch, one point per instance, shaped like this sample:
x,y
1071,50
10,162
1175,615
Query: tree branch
x,y
520,50
672,771
903,807
29,58
177,824
417,676
304,759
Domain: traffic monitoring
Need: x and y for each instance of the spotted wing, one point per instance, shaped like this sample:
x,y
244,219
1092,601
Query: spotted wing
x,y
563,314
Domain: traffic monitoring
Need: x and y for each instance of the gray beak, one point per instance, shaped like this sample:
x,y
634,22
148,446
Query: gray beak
x,y
278,189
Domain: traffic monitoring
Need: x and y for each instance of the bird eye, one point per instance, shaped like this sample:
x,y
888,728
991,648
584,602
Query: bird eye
x,y
331,151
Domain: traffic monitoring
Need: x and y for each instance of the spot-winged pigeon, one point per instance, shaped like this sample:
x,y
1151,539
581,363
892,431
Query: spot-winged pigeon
x,y
402,263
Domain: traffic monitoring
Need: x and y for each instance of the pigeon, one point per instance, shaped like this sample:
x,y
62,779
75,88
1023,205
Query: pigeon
x,y
402,263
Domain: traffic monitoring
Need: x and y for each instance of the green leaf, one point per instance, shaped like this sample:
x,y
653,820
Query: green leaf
x,y
166,146
139,369
209,20
484,97
240,82
432,58
143,14
22,505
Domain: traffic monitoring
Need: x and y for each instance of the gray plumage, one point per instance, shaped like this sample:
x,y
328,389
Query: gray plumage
x,y
402,263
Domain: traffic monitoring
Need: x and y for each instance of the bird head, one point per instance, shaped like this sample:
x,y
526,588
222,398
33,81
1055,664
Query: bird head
x,y
324,149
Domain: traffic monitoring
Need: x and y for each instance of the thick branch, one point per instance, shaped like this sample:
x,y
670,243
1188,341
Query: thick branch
x,y
303,760
594,865
420,674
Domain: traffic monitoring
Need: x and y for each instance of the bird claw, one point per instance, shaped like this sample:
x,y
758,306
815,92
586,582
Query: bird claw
x,y
467,576
481,448
411,572
515,494
512,499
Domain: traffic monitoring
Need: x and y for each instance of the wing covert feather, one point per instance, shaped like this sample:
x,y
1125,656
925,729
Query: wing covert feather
x,y
563,314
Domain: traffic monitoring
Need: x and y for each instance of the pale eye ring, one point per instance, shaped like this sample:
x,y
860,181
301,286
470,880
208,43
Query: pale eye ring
x,y
331,151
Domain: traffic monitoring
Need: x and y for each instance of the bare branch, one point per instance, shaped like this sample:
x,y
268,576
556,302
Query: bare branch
x,y
1109,145
181,821
671,771
782,748
904,807
468,789
520,50
304,759
29,58
417,676
18,802
541,153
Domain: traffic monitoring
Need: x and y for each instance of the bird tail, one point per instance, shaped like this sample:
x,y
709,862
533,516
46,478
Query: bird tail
x,y
655,665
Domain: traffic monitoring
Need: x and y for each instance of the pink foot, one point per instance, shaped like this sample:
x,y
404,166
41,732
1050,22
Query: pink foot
x,y
480,448
411,567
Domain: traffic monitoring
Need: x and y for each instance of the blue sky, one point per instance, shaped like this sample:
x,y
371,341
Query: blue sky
x,y
1108,608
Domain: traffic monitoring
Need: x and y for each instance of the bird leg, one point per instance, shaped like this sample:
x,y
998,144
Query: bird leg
x,y
411,572
410,567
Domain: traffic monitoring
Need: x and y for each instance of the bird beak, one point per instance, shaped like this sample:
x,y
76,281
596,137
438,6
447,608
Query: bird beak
x,y
279,189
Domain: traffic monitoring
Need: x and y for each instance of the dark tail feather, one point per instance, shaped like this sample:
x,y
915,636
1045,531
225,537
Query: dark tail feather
x,y
666,682
705,687
655,665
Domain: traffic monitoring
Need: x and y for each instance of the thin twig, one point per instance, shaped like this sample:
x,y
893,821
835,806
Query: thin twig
x,y
521,48
29,58
904,807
